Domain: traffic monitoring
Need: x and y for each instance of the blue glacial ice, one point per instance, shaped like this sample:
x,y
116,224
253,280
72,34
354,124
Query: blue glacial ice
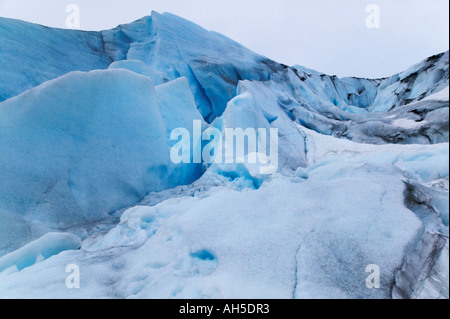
x,y
43,248
107,125
86,176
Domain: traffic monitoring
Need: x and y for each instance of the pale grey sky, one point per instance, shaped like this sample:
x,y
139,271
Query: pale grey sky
x,y
327,35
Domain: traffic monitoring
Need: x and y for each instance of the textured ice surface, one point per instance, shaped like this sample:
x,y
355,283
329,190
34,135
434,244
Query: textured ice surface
x,y
87,144
280,240
45,247
213,63
361,176
32,54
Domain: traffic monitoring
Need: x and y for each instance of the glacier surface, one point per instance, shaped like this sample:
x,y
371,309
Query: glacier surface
x,y
86,176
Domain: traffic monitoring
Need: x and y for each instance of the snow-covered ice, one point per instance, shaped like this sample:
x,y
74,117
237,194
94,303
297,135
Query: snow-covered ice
x,y
86,178
43,248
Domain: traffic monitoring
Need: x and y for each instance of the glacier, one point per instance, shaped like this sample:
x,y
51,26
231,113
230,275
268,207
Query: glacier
x,y
86,177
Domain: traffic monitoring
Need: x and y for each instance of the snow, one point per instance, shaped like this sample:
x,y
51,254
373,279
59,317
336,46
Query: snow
x,y
407,124
442,95
43,248
276,241
425,163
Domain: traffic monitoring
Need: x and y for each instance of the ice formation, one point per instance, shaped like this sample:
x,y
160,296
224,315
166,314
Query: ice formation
x,y
86,176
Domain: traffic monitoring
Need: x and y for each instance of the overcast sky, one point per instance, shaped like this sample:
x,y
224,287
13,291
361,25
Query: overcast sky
x,y
330,36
